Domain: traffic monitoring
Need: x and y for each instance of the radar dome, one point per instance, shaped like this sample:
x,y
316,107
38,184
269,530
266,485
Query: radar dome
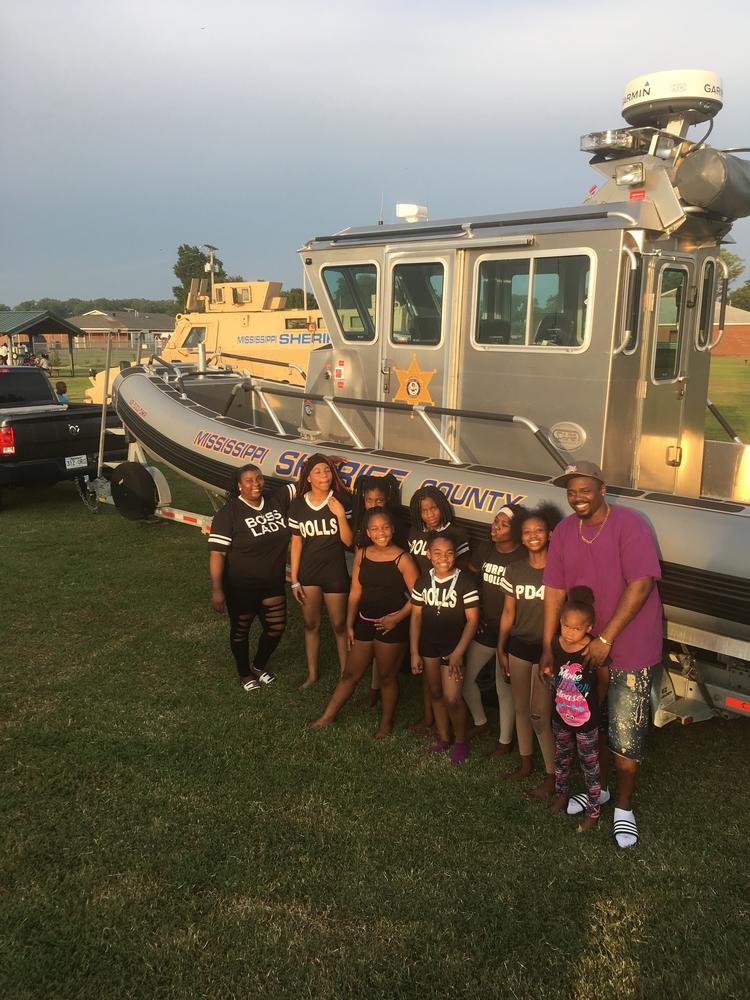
x,y
694,95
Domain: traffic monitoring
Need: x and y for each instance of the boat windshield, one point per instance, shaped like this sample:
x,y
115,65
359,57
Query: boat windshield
x,y
353,291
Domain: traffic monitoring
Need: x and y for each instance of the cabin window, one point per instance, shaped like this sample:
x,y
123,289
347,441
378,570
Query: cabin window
x,y
219,294
417,315
706,315
633,308
668,346
296,324
533,302
321,323
353,292
196,336
240,295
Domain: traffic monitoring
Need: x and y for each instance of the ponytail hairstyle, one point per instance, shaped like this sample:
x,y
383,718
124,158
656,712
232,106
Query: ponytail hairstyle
x,y
441,501
580,599
388,486
547,513
235,488
339,488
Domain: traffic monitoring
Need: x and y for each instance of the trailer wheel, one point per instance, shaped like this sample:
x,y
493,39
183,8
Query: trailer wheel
x,y
134,491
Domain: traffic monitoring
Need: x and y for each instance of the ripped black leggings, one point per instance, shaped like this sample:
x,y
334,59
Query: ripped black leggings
x,y
243,607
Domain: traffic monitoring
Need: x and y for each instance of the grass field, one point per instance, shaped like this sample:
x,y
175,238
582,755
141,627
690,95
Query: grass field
x,y
167,836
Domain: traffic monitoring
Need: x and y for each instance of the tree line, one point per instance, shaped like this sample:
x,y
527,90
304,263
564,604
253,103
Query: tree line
x,y
192,261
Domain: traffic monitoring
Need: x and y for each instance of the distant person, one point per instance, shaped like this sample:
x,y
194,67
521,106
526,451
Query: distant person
x,y
579,705
247,562
319,522
444,619
611,550
43,363
489,563
430,513
61,391
4,352
519,647
377,620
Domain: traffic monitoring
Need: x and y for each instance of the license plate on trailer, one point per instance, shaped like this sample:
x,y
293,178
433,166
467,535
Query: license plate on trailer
x,y
76,462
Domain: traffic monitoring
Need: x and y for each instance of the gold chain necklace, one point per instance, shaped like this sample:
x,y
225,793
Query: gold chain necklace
x,y
590,541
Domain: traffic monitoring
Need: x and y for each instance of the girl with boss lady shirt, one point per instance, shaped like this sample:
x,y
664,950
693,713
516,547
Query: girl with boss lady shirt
x,y
431,513
377,621
444,619
490,562
247,561
519,647
319,523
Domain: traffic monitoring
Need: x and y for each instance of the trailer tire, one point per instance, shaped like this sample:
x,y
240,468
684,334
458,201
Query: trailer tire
x,y
134,491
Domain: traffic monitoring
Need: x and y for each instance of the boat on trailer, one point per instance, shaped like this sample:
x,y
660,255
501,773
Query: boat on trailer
x,y
482,355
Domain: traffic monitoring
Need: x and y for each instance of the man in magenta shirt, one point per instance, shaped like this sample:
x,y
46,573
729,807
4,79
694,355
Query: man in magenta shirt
x,y
611,550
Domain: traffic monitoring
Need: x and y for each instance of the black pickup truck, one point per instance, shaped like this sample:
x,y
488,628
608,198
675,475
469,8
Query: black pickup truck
x,y
43,441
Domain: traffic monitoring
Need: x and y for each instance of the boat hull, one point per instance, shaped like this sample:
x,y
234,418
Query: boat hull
x,y
704,545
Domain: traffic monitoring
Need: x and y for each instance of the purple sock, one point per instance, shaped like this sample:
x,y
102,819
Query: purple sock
x,y
460,753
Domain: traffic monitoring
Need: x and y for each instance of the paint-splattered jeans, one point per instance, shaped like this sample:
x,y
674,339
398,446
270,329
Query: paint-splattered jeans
x,y
628,704
588,757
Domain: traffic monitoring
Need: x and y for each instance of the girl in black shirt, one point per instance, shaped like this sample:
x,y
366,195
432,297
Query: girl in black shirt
x,y
371,492
520,644
319,522
247,562
443,622
490,562
431,513
377,622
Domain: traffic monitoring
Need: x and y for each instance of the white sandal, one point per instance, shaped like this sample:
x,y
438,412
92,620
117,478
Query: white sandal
x,y
624,826
251,685
266,677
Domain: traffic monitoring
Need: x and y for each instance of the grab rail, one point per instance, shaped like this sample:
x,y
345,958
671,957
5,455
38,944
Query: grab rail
x,y
723,307
423,411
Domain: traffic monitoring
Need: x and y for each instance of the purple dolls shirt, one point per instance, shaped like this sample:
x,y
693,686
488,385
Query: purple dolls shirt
x,y
623,552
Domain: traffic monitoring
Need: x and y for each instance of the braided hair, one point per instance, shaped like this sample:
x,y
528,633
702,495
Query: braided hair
x,y
441,502
388,486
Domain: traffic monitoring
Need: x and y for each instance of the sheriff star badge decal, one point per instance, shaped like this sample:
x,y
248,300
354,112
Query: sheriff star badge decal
x,y
413,384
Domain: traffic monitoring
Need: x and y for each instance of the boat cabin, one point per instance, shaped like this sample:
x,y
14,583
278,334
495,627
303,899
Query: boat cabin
x,y
592,323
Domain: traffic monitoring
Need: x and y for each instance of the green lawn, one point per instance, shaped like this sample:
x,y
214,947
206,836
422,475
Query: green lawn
x,y
729,389
167,836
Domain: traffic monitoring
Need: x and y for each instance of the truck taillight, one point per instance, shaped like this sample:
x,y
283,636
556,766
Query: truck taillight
x,y
7,441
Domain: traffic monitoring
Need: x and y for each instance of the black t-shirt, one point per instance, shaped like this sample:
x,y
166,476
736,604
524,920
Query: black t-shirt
x,y
417,542
492,567
254,539
527,586
576,702
323,558
444,604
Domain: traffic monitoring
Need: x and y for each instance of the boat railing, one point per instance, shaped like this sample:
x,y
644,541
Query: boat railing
x,y
422,410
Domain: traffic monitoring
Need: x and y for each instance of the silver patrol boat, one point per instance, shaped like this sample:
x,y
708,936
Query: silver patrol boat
x,y
483,355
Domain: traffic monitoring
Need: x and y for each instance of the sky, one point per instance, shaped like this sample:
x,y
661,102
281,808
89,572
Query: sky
x,y
129,128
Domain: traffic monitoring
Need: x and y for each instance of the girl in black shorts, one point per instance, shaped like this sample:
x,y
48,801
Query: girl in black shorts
x,y
247,561
377,621
444,619
519,646
319,523
431,513
371,492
